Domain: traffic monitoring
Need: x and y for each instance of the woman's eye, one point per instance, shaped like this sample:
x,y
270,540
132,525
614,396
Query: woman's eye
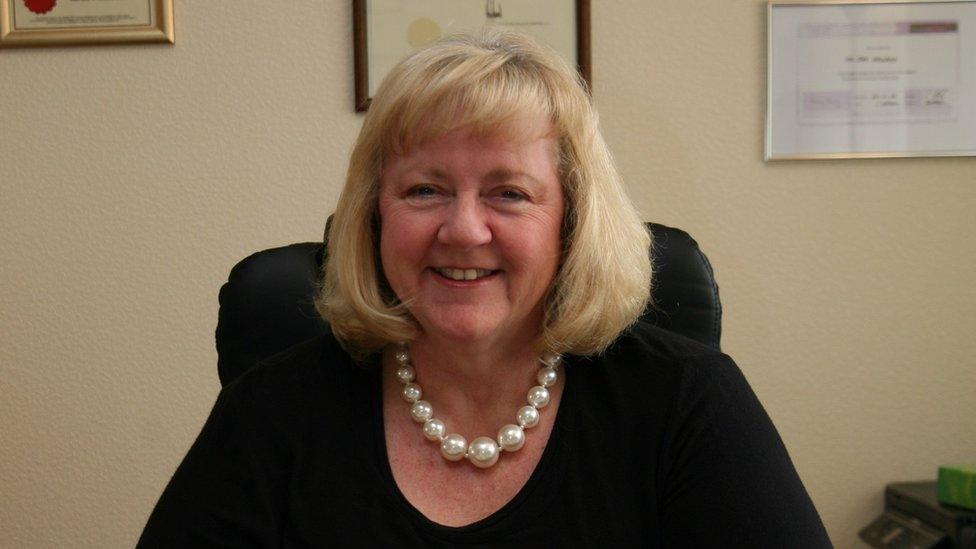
x,y
422,191
510,194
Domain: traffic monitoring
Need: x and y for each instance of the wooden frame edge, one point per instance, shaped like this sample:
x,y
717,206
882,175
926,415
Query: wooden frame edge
x,y
361,51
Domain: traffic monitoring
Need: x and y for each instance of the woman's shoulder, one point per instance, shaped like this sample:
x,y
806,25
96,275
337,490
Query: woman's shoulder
x,y
299,376
663,343
656,373
720,459
645,349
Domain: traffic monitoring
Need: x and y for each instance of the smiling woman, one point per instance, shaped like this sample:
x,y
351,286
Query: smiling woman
x,y
486,381
503,89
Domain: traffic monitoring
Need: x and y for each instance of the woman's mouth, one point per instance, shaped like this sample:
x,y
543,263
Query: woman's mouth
x,y
462,274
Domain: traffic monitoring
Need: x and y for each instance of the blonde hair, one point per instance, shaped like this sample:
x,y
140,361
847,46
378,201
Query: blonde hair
x,y
484,83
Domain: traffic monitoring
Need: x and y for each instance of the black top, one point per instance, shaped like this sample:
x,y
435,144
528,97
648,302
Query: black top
x,y
659,442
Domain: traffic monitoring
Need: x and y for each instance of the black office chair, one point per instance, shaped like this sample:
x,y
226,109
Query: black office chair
x,y
267,306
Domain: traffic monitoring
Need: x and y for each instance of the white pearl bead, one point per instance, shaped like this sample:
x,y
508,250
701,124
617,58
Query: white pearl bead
x,y
528,416
547,376
405,373
483,452
434,429
511,437
538,396
453,447
401,356
412,392
551,359
421,411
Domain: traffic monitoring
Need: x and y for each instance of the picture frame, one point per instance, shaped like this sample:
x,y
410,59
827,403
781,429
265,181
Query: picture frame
x,y
870,79
385,31
46,23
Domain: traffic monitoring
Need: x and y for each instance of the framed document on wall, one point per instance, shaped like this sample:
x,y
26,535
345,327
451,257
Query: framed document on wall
x,y
28,23
871,79
386,31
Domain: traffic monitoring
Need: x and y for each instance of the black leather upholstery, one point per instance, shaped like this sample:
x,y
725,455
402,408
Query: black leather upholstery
x,y
685,293
267,306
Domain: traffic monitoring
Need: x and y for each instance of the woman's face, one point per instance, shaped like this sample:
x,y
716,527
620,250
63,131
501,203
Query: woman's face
x,y
470,232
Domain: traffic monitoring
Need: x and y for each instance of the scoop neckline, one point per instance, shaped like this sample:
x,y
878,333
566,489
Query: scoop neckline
x,y
546,467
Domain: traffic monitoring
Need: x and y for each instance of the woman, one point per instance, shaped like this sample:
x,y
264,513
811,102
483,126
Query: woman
x,y
483,249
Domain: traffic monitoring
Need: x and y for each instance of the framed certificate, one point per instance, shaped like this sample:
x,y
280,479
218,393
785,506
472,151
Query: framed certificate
x,y
386,31
870,79
27,23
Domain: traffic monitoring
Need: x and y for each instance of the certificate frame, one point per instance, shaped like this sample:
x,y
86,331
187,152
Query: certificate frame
x,y
88,23
366,61
888,96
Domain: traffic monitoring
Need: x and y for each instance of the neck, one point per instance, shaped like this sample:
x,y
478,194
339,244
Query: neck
x,y
477,386
478,362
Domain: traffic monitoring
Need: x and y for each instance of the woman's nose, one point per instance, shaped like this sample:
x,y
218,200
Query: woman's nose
x,y
465,224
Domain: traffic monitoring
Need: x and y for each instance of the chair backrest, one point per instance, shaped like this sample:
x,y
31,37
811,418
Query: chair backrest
x,y
266,305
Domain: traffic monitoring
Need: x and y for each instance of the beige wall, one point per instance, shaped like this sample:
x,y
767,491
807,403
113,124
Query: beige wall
x,y
133,178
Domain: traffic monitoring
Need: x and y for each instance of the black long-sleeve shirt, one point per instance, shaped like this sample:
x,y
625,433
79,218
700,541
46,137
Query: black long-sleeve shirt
x,y
659,442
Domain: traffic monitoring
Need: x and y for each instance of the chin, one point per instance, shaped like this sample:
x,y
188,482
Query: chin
x,y
465,326
463,333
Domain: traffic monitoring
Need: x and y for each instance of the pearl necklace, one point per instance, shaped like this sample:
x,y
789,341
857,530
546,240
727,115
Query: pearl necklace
x,y
482,451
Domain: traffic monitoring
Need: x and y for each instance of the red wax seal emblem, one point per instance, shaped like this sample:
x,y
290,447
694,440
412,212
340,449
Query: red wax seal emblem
x,y
40,6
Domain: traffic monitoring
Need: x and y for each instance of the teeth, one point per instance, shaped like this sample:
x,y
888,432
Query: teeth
x,y
463,274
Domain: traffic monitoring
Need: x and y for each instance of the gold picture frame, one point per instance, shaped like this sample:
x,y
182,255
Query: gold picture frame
x,y
45,23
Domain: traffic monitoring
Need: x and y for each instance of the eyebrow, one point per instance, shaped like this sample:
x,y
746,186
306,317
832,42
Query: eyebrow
x,y
412,173
434,173
501,175
497,175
